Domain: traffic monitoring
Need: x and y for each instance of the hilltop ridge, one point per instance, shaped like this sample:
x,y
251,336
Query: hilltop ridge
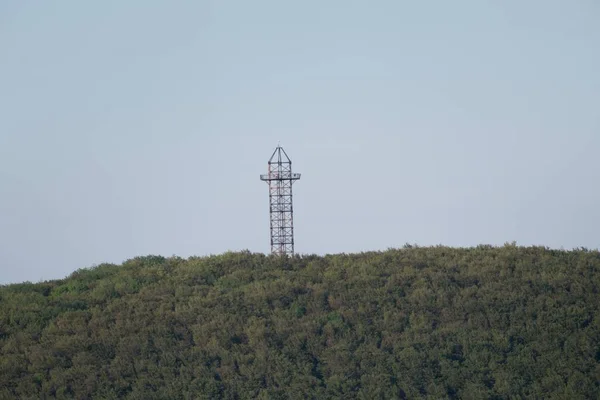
x,y
432,322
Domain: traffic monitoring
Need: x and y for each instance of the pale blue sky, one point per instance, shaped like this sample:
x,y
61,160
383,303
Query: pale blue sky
x,y
141,127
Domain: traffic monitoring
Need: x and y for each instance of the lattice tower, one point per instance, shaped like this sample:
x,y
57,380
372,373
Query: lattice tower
x,y
280,180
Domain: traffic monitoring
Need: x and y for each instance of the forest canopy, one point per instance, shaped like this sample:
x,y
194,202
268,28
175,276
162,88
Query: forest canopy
x,y
417,322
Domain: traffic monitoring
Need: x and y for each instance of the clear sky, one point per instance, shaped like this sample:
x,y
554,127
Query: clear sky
x,y
141,127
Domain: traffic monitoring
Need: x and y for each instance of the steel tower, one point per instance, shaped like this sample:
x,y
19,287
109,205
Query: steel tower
x,y
280,179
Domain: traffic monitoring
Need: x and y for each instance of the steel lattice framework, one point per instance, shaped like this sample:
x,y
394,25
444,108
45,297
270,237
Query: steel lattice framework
x,y
280,179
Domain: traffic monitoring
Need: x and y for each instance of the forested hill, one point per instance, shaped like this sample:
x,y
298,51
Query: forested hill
x,y
485,322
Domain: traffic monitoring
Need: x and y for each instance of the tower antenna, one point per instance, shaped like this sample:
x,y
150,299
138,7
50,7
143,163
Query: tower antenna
x,y
280,180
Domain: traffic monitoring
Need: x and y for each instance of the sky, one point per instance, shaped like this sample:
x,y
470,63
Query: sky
x,y
140,127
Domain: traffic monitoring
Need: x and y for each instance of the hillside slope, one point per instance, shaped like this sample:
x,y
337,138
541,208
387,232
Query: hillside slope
x,y
436,322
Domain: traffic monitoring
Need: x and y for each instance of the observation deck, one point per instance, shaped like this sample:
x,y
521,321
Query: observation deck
x,y
279,176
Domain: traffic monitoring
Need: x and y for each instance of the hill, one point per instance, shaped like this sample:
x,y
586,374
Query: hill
x,y
433,322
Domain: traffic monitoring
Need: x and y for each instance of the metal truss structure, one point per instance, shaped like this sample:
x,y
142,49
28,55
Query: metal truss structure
x,y
280,180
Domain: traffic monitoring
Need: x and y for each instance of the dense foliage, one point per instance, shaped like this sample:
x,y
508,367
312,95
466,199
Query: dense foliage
x,y
484,322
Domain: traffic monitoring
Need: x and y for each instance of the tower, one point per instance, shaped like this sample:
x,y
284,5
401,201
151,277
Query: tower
x,y
280,180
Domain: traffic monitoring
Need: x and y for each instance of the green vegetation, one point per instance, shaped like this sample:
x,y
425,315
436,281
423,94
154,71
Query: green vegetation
x,y
485,322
